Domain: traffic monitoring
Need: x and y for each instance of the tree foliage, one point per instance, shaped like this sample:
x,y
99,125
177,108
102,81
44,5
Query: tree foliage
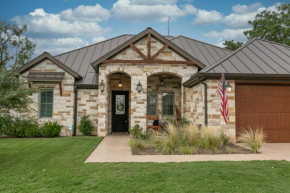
x,y
273,26
231,45
15,49
14,93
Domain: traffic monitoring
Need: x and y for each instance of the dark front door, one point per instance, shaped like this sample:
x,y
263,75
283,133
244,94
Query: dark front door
x,y
120,111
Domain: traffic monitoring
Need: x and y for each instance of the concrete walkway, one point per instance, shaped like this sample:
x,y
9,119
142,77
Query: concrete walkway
x,y
115,148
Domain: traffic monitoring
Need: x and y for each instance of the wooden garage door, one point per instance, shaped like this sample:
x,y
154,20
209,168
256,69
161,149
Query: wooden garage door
x,y
267,106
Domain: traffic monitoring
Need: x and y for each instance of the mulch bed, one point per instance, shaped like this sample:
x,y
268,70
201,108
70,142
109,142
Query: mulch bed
x,y
222,150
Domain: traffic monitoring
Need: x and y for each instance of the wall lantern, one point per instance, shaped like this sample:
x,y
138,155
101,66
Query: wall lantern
x,y
229,87
102,86
139,87
161,82
120,85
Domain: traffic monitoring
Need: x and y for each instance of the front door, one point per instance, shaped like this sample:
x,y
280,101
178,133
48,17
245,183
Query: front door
x,y
120,111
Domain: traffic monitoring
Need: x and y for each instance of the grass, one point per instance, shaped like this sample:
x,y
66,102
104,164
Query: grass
x,y
253,138
57,165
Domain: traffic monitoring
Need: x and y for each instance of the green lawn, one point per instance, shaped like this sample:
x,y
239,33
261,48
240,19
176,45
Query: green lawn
x,y
57,165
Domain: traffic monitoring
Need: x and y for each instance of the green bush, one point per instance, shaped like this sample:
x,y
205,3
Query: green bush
x,y
50,129
209,140
137,144
136,132
187,150
224,138
86,125
19,127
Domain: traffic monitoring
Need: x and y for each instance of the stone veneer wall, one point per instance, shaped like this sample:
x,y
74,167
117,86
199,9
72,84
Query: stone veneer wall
x,y
171,84
194,106
137,72
87,105
63,106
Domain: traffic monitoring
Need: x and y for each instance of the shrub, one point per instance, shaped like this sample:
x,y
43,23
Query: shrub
x,y
229,150
177,124
137,144
187,150
50,129
191,134
19,127
253,138
86,125
136,132
208,139
224,138
170,140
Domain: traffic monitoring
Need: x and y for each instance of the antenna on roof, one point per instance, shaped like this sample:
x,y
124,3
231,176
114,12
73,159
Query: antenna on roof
x,y
168,24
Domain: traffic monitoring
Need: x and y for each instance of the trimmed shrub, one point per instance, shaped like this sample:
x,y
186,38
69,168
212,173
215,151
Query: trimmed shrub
x,y
86,125
253,138
50,129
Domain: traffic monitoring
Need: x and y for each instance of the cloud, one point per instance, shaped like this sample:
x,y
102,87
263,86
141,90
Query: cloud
x,y
98,39
147,10
208,17
240,9
46,25
58,45
86,13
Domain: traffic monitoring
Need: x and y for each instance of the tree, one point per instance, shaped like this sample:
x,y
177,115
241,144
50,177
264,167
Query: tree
x,y
14,94
273,26
15,49
231,45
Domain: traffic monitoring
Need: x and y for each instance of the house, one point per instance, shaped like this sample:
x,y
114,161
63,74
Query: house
x,y
119,81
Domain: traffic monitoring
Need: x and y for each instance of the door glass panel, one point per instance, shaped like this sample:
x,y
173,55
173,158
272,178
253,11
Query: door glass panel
x,y
120,104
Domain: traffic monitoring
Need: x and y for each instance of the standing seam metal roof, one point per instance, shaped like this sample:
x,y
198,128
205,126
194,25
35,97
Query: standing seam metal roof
x,y
258,56
80,59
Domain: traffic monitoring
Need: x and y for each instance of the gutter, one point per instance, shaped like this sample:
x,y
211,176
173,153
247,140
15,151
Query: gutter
x,y
205,101
75,110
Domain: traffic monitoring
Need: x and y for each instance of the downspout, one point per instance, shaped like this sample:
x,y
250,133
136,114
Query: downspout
x,y
205,100
75,110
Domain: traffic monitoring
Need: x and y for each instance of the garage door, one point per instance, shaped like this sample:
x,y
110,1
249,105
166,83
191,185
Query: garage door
x,y
267,106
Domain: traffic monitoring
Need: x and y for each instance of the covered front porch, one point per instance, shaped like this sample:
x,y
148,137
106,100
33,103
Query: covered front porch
x,y
125,100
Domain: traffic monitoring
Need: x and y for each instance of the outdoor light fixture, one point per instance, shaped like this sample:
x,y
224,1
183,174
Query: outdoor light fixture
x,y
102,86
161,81
139,87
120,83
229,87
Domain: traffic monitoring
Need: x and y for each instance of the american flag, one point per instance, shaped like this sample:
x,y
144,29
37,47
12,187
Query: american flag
x,y
222,90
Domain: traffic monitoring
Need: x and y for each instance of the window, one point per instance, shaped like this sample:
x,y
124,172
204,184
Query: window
x,y
46,103
167,104
152,103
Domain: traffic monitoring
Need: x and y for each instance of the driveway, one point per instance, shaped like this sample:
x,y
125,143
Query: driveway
x,y
115,148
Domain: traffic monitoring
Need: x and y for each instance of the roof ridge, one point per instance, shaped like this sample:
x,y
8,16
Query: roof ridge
x,y
228,56
205,43
94,44
273,42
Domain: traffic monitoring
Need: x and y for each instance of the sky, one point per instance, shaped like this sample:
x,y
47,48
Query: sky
x,y
57,26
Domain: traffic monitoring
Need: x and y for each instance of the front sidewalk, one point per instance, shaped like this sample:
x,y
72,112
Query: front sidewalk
x,y
115,148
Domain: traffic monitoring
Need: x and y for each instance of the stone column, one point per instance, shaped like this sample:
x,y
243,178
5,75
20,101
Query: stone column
x,y
103,107
139,101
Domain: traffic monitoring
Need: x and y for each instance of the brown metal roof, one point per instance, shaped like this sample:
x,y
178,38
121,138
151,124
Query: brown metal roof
x,y
42,57
258,59
45,76
206,53
157,36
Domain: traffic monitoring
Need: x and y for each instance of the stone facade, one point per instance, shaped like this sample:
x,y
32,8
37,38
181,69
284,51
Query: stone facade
x,y
87,105
63,106
137,72
194,106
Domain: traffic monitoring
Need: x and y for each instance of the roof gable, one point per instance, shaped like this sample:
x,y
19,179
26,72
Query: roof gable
x,y
136,38
42,57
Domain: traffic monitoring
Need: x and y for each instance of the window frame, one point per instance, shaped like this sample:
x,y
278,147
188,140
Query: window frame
x,y
39,104
173,104
156,106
